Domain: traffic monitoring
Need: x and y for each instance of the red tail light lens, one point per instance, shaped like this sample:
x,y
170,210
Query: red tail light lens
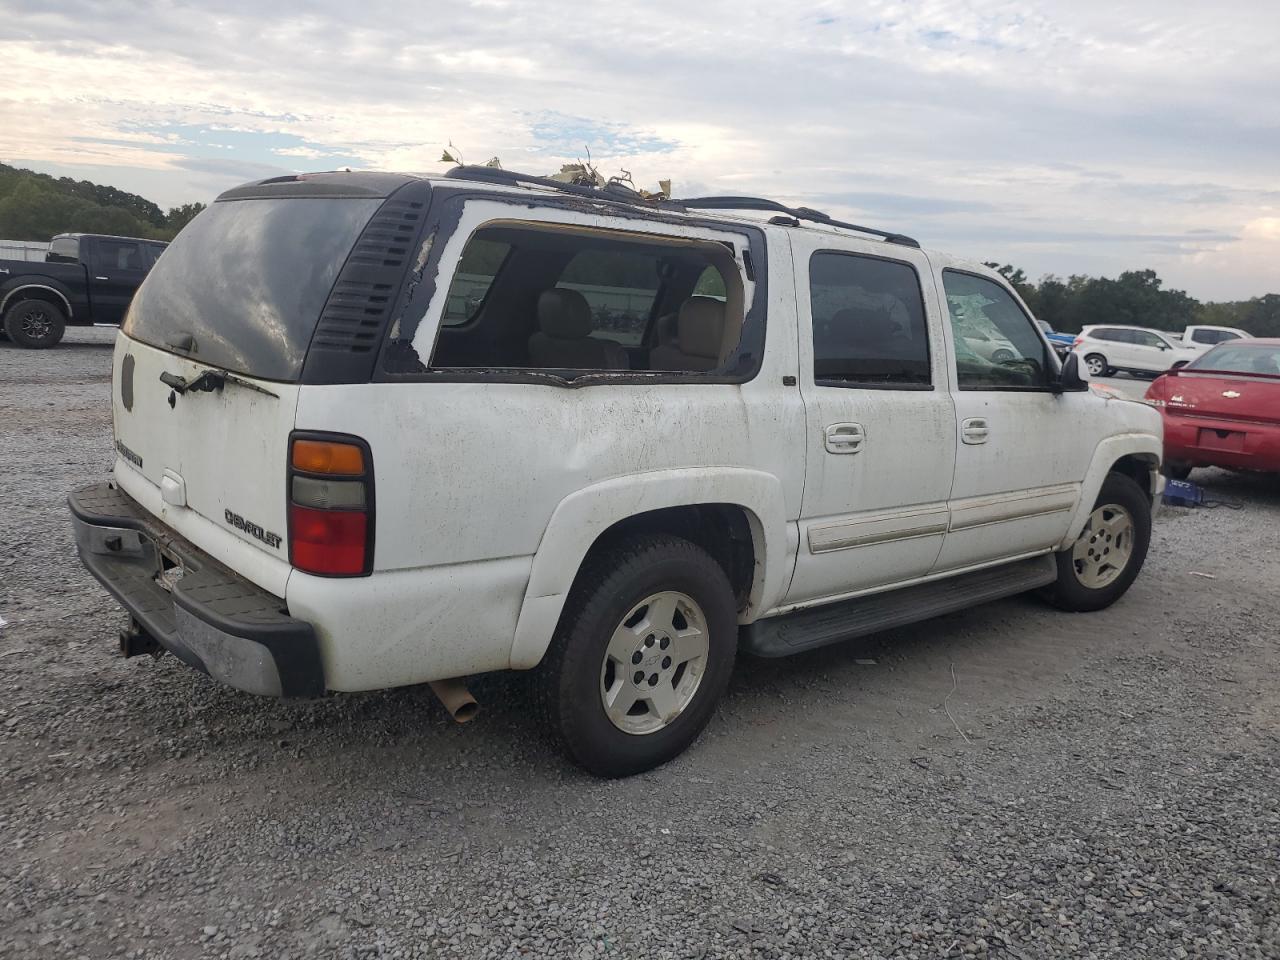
x,y
1078,341
330,505
331,542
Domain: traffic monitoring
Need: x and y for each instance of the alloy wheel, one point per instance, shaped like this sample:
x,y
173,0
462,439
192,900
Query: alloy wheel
x,y
654,663
1103,548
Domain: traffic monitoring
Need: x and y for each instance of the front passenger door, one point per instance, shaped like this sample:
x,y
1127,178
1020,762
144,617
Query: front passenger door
x,y
1022,449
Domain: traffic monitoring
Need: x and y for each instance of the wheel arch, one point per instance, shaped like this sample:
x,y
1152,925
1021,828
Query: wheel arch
x,y
737,515
21,290
1135,455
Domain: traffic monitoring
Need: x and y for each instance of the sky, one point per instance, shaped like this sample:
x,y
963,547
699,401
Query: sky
x,y
1062,136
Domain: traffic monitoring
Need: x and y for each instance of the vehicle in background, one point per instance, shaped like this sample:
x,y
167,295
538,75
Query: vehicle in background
x,y
1222,409
84,279
336,471
1203,338
1061,342
1105,349
978,333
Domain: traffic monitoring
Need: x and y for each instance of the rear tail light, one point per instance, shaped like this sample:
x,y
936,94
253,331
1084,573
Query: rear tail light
x,y
1079,340
330,505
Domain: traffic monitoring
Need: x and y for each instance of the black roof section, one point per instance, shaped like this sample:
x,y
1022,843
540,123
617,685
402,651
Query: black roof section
x,y
373,186
623,194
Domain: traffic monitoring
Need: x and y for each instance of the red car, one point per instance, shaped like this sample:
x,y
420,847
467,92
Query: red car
x,y
1222,409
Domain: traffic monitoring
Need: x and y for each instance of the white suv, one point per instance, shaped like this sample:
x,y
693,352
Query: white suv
x,y
1137,350
376,430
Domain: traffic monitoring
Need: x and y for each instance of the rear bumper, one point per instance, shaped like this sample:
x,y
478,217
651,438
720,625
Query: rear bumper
x,y
1205,442
208,617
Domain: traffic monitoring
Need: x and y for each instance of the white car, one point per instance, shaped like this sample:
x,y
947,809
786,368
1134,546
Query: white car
x,y
1202,338
1105,349
331,475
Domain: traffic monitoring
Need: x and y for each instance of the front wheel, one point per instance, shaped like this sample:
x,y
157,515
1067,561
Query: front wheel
x,y
642,654
1102,564
1096,364
35,324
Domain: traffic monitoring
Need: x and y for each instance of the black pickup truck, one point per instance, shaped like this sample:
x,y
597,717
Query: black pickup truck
x,y
84,279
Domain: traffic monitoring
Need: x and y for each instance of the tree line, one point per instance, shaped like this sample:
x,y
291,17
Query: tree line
x,y
1136,298
36,206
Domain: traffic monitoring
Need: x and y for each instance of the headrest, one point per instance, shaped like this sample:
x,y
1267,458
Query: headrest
x,y
564,314
700,327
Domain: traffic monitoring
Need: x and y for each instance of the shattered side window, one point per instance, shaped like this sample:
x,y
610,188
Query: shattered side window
x,y
481,262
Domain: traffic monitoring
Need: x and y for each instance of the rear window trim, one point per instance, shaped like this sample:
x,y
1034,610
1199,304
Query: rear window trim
x,y
446,212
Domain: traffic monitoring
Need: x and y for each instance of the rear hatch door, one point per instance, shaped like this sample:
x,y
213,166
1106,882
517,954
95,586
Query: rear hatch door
x,y
208,364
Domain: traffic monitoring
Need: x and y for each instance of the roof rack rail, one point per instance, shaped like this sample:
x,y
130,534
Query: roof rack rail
x,y
799,213
621,193
610,191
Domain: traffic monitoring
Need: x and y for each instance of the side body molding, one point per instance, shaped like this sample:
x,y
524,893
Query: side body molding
x,y
1146,446
581,517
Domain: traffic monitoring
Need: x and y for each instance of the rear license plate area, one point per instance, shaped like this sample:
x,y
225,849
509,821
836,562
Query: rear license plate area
x,y
1228,441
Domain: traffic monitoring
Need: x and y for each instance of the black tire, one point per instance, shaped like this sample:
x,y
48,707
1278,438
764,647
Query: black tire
x,y
569,679
1002,355
1098,360
35,324
1068,592
1175,470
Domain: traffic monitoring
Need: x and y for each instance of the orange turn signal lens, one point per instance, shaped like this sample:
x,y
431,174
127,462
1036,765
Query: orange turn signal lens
x,y
328,457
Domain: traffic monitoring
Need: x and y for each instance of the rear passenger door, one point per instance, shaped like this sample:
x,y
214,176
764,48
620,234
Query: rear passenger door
x,y
1022,449
880,423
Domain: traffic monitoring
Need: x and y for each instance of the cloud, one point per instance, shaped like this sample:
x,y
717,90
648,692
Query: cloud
x,y
1058,134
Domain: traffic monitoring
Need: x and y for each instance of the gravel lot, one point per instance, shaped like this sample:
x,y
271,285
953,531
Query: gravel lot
x,y
1109,788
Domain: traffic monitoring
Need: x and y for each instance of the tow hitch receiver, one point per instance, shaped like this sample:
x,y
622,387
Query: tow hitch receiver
x,y
134,642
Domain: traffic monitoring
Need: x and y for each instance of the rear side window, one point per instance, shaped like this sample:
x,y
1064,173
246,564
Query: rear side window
x,y
997,345
243,285
118,255
574,300
480,264
619,287
868,322
63,250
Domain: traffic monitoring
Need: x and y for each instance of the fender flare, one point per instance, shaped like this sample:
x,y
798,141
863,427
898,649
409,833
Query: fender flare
x,y
18,284
1145,446
580,518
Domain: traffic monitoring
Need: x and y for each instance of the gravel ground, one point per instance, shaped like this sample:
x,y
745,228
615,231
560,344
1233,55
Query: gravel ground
x,y
1109,786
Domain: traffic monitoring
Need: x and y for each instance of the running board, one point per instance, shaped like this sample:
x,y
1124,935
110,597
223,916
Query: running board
x,y
818,626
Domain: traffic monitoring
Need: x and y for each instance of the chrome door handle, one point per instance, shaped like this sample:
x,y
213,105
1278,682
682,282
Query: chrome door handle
x,y
974,430
844,438
102,278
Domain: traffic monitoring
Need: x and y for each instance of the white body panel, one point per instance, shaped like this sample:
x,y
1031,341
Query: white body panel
x,y
489,494
1134,356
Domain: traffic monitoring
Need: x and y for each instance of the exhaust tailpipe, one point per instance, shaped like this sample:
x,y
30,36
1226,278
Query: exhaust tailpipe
x,y
457,699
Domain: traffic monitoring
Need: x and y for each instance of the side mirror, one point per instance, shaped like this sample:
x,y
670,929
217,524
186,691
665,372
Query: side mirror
x,y
1069,380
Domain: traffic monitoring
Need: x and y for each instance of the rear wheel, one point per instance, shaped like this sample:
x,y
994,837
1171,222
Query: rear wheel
x,y
642,655
1096,364
1102,564
1176,470
35,324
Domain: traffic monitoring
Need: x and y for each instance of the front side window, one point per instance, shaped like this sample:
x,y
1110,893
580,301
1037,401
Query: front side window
x,y
997,344
868,321
570,300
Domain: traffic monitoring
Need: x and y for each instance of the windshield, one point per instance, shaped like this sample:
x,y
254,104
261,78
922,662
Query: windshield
x,y
1235,358
243,285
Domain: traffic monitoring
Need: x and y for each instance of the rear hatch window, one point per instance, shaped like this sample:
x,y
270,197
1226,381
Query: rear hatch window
x,y
243,285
